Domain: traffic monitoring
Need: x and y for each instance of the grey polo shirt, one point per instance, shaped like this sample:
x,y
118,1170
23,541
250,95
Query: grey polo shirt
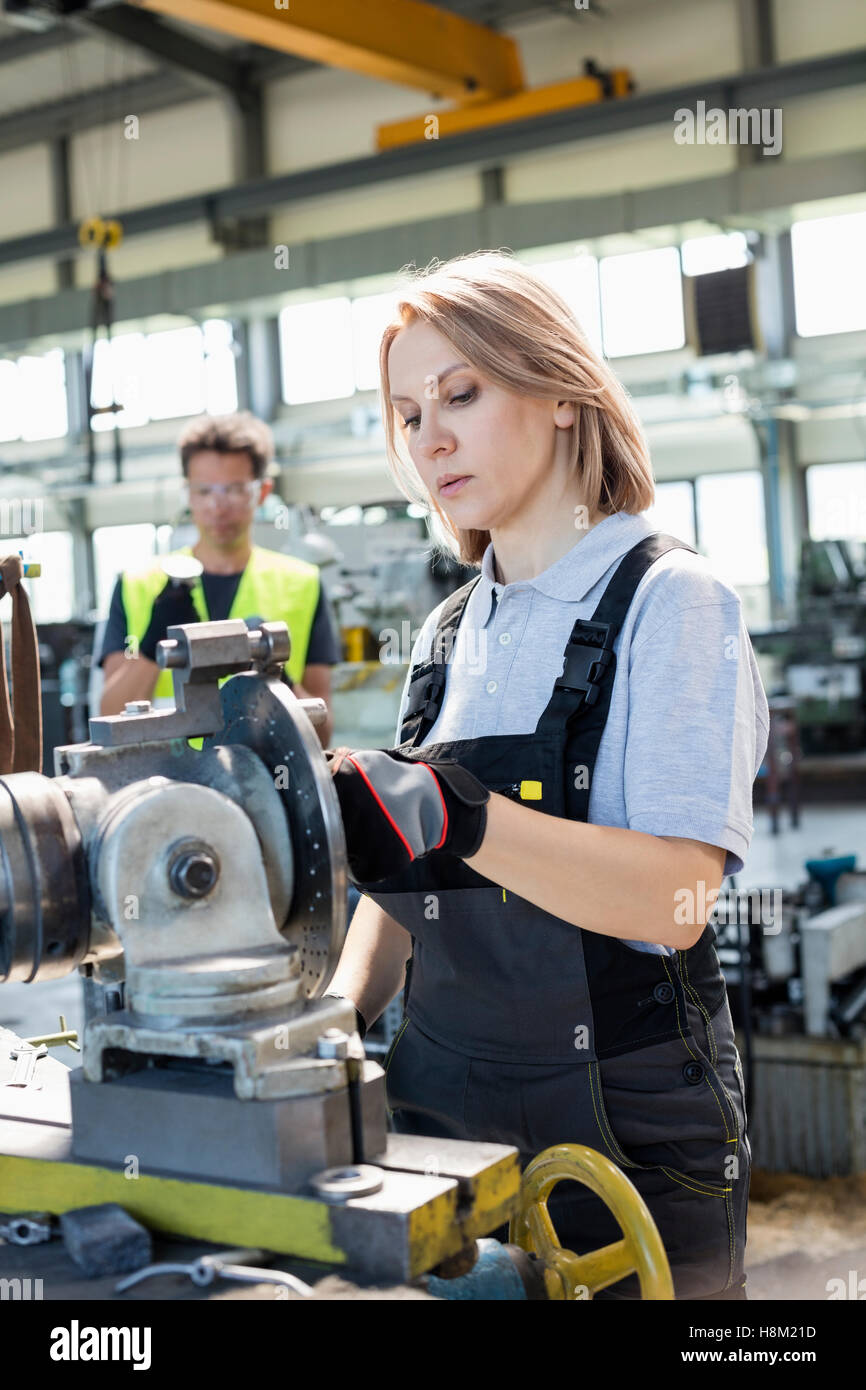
x,y
688,721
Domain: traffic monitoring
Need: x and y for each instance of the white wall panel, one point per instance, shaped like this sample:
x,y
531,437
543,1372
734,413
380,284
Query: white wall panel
x,y
26,280
65,71
613,163
157,251
831,441
327,116
25,191
402,200
805,29
714,446
825,123
181,150
665,44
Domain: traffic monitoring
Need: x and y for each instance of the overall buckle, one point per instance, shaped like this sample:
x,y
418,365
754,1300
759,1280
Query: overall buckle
x,y
588,655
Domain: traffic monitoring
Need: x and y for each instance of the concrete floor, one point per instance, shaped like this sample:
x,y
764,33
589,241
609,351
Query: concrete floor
x,y
802,1234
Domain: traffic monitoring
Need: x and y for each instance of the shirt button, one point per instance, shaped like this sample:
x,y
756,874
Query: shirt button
x,y
505,638
491,686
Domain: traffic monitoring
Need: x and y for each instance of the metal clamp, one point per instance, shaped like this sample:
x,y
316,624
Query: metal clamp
x,y
198,654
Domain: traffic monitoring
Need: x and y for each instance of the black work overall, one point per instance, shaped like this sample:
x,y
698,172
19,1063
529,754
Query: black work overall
x,y
523,1029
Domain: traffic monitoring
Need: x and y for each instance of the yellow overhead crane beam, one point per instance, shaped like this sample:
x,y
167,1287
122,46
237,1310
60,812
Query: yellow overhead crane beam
x,y
404,41
537,101
408,42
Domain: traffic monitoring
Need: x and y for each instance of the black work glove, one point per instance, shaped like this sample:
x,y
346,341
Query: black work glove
x,y
396,809
172,607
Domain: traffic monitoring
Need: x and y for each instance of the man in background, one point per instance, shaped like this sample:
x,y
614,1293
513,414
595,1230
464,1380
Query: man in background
x,y
225,461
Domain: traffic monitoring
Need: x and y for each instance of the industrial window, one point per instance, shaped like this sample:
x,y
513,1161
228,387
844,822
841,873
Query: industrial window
x,y
117,548
51,593
316,351
576,280
370,315
160,376
706,254
118,380
836,496
220,373
673,510
33,397
829,284
642,302
731,526
174,374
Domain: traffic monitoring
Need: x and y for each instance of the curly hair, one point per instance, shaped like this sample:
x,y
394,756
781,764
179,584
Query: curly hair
x,y
239,433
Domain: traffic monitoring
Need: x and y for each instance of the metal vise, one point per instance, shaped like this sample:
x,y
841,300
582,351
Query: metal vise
x,y
201,892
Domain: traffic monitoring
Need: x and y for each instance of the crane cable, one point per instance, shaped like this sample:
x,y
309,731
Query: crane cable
x,y
103,235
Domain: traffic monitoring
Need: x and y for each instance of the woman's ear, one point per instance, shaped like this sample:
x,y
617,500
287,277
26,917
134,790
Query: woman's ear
x,y
565,415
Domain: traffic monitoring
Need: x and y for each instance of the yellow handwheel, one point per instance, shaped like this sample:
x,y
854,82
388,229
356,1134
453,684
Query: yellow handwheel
x,y
640,1251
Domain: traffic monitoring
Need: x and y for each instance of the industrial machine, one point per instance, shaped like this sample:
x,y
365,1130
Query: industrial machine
x,y
823,655
201,894
795,963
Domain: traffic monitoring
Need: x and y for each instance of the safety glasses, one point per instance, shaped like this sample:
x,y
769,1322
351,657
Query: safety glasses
x,y
234,494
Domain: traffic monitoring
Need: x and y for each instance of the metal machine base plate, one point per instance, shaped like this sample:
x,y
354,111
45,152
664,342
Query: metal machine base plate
x,y
192,1124
437,1195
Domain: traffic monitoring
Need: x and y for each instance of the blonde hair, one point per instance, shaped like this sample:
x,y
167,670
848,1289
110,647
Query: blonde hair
x,y
508,323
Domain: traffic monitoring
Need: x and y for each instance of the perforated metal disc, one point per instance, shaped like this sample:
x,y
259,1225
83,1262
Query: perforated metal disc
x,y
265,717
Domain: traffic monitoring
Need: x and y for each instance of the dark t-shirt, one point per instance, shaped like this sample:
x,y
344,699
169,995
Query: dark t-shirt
x,y
219,593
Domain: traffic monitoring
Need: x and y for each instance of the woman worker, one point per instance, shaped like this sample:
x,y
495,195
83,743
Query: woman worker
x,y
578,737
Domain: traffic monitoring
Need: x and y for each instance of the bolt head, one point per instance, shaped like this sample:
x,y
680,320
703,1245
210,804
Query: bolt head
x,y
193,875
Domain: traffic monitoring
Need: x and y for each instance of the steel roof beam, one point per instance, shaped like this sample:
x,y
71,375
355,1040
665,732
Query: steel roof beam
x,y
767,87
69,115
200,62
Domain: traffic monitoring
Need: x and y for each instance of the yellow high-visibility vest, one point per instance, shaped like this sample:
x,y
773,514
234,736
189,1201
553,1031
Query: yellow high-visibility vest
x,y
274,587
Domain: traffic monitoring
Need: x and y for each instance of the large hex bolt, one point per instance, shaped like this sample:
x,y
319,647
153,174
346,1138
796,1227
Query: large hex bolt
x,y
194,872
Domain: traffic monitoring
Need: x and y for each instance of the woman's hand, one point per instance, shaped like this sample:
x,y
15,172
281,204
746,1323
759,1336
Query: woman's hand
x,y
397,809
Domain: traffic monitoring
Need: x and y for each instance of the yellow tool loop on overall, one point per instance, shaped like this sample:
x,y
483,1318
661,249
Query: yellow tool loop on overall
x,y
570,1276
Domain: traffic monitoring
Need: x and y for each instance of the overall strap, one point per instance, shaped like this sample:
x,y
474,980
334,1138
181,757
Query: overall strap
x,y
427,683
588,661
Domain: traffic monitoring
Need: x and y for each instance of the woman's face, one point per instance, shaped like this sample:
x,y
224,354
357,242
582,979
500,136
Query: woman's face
x,y
459,424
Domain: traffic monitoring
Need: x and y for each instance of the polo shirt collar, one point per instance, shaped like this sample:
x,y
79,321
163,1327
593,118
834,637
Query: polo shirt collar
x,y
571,577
